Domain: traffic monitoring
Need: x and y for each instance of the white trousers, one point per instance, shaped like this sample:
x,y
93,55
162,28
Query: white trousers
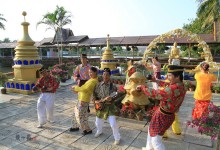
x,y
112,120
154,143
45,107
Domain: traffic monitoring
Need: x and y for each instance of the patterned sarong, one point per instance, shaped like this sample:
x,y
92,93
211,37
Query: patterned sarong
x,y
160,122
80,118
200,108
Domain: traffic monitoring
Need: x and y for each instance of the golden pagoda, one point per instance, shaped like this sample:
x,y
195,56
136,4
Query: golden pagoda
x,y
108,60
26,64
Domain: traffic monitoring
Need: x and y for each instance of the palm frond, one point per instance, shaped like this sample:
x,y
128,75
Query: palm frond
x,y
2,26
208,11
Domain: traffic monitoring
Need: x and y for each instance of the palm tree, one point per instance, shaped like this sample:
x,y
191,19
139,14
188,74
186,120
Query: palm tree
x,y
2,26
55,21
209,12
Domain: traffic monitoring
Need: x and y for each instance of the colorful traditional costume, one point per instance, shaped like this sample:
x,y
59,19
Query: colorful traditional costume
x,y
171,98
202,93
45,103
82,72
103,90
157,69
156,66
81,108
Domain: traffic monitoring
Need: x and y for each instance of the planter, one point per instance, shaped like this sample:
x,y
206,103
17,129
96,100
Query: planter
x,y
3,91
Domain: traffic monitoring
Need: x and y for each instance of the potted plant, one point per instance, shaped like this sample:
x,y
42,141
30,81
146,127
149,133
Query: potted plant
x,y
70,66
60,71
208,124
187,84
216,88
3,79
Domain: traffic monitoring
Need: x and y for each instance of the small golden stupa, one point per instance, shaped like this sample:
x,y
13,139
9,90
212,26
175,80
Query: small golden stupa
x,y
108,60
26,64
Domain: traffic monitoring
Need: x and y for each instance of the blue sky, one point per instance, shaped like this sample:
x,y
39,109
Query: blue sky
x,y
97,18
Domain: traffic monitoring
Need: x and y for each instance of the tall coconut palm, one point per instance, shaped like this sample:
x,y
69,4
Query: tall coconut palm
x,y
55,21
2,26
209,11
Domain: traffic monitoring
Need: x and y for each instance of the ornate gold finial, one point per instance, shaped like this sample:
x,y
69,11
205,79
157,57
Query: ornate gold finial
x,y
24,14
175,44
108,43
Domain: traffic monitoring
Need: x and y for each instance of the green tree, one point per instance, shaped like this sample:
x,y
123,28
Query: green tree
x,y
195,26
208,11
6,40
119,48
55,21
82,50
208,14
2,26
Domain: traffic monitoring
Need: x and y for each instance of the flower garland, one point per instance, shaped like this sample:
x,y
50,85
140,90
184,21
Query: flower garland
x,y
180,33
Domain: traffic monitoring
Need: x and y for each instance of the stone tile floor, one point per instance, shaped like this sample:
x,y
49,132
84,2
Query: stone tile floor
x,y
18,121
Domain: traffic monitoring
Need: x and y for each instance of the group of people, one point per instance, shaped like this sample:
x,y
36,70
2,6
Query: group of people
x,y
87,88
170,94
100,95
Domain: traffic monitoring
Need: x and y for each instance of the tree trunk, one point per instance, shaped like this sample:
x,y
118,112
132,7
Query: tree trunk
x,y
189,54
61,47
57,46
214,31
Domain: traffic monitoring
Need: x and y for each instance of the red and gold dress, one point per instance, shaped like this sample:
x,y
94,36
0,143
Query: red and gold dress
x,y
171,97
203,93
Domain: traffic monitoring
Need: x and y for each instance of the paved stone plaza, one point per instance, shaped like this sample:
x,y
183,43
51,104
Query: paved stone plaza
x,y
18,121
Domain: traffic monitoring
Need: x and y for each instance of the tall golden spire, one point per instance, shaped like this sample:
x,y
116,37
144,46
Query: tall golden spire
x,y
108,42
26,36
108,60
